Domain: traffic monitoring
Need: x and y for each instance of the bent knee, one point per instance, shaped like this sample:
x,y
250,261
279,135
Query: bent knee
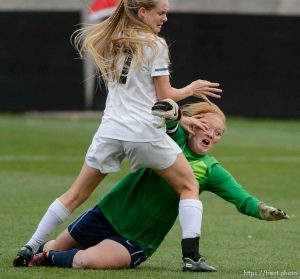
x,y
79,261
189,190
50,245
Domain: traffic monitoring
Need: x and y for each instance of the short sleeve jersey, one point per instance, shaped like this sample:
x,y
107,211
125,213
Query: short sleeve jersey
x,y
127,115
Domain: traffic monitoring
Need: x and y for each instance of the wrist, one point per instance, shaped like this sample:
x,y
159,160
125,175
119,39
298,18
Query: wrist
x,y
190,90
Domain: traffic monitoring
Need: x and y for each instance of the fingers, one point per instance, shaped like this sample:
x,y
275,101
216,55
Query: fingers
x,y
200,123
212,93
205,83
286,216
198,116
204,96
203,89
190,123
270,213
189,129
206,99
280,214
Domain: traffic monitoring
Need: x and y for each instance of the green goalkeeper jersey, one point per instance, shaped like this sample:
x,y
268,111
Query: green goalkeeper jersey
x,y
142,207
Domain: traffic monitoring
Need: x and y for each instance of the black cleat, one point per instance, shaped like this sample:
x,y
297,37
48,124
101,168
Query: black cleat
x,y
23,257
200,266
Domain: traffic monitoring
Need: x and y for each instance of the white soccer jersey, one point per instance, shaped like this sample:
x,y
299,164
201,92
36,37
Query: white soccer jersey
x,y
127,115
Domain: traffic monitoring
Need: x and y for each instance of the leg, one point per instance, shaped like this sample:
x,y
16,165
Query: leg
x,y
62,243
60,210
83,186
108,254
181,177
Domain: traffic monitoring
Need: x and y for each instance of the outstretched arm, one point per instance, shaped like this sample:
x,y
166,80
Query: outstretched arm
x,y
225,186
199,89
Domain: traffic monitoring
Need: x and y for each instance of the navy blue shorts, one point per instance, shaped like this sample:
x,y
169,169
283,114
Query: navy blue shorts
x,y
92,227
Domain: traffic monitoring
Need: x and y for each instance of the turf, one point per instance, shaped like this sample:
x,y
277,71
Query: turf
x,y
41,155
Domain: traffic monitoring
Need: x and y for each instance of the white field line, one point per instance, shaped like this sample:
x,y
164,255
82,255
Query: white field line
x,y
261,159
233,159
40,158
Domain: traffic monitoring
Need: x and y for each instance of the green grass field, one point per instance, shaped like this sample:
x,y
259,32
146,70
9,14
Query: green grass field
x,y
41,155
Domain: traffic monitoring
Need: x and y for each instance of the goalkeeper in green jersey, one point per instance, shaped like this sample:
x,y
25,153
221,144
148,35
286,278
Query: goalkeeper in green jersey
x,y
130,222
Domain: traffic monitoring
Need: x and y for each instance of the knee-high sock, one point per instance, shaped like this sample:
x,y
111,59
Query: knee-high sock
x,y
56,214
190,217
63,258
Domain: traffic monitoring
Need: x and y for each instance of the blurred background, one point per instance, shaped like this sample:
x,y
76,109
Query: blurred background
x,y
251,47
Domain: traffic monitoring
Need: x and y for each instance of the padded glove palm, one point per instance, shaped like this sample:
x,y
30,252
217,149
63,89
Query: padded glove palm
x,y
270,213
168,110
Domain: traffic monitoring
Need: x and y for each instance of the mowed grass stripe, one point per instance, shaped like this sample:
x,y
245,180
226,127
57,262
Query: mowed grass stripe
x,y
45,158
41,156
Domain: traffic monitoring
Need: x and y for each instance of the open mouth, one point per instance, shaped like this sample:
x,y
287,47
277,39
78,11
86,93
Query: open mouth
x,y
206,142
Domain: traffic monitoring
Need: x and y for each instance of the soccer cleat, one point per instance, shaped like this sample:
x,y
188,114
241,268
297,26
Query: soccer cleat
x,y
200,266
24,255
40,259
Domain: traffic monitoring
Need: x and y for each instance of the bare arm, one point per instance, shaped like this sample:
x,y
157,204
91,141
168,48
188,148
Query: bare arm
x,y
199,88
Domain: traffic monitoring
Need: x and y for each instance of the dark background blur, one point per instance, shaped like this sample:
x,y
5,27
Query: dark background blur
x,y
38,69
255,58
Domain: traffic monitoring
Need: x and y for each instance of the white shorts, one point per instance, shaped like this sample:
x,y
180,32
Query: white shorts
x,y
106,154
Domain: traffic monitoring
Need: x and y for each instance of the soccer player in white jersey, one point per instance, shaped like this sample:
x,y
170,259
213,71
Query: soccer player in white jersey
x,y
133,61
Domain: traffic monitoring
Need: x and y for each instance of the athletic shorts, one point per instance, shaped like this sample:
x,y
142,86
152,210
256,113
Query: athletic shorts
x,y
92,227
107,154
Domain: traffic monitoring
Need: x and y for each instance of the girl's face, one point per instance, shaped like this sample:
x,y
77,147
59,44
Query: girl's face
x,y
203,141
155,17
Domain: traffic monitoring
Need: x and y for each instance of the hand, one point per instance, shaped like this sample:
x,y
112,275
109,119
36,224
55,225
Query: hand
x,y
203,89
189,123
270,213
168,110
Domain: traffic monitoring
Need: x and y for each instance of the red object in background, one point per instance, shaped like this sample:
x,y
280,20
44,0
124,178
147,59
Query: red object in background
x,y
99,9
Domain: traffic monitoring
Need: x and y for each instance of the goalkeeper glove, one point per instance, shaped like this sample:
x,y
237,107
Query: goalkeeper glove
x,y
168,110
270,213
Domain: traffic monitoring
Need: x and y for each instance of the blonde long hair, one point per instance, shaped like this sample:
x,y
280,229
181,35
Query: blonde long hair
x,y
123,35
202,108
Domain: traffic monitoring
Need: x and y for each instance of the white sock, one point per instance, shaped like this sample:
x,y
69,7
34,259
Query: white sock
x,y
56,214
190,217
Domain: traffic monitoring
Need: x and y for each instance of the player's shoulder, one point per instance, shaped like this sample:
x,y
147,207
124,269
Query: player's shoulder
x,y
155,44
154,38
161,41
217,170
210,160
